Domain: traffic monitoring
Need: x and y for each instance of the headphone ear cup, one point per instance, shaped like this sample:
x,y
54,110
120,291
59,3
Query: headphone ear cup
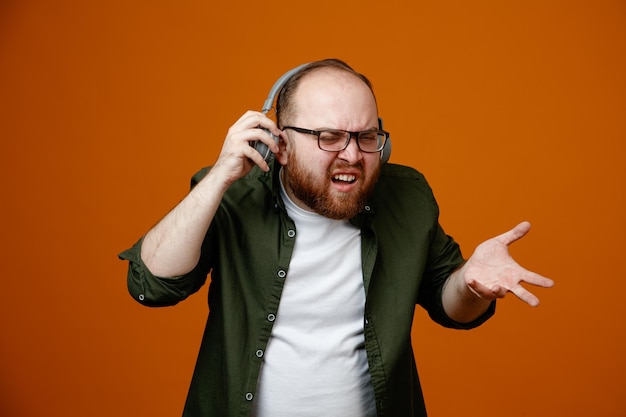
x,y
386,152
263,149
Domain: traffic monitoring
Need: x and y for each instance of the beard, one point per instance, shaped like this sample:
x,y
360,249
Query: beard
x,y
316,194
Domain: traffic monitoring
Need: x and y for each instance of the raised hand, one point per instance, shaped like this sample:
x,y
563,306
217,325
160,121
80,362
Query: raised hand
x,y
237,157
491,272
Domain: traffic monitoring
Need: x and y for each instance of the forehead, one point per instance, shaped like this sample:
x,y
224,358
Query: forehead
x,y
333,98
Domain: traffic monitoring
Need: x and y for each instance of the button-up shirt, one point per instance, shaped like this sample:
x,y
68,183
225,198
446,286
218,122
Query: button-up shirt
x,y
406,258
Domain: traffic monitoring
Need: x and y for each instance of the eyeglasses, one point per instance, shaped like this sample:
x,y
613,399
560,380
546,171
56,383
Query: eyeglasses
x,y
335,140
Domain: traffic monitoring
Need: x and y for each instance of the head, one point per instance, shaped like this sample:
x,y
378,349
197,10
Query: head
x,y
327,95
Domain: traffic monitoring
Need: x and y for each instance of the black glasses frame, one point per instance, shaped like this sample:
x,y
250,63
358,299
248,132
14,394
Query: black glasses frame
x,y
355,135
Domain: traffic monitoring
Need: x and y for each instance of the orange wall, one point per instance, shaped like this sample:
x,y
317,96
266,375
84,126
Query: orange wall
x,y
513,110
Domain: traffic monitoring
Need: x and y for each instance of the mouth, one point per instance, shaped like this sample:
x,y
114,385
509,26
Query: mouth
x,y
344,179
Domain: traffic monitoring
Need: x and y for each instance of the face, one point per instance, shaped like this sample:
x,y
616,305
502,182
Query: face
x,y
333,184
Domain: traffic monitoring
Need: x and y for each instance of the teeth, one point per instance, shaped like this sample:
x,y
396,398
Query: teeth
x,y
344,177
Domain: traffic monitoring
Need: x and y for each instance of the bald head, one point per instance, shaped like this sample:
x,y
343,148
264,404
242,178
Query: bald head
x,y
286,106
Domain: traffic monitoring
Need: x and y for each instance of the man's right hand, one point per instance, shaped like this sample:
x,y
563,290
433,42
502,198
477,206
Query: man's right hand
x,y
237,157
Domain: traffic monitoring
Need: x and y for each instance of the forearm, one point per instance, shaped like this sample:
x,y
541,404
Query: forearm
x,y
172,247
459,302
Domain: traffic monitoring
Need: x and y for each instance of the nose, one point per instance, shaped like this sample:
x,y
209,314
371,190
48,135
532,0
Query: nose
x,y
351,153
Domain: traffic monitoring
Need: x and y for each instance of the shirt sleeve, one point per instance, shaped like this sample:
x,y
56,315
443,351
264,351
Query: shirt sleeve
x,y
154,291
444,258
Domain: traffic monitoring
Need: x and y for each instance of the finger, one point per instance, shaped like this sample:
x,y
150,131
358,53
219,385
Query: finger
x,y
498,291
254,156
253,134
538,280
247,120
238,145
253,118
526,296
270,139
514,234
482,291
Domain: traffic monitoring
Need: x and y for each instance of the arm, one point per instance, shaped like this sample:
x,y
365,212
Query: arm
x,y
172,247
489,274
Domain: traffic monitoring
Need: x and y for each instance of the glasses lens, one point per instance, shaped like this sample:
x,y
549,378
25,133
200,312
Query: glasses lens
x,y
333,140
371,141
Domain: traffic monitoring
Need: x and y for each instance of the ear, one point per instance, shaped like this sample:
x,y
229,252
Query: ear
x,y
283,145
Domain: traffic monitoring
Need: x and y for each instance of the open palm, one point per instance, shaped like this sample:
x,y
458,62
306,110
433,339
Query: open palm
x,y
491,272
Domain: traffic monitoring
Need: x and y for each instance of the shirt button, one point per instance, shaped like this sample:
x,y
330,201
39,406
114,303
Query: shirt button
x,y
271,317
259,353
282,274
367,208
291,233
249,396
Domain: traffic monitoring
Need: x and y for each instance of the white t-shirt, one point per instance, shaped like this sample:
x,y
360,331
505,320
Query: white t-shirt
x,y
315,362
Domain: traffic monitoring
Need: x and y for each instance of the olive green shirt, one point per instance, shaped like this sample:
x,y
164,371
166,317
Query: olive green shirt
x,y
406,258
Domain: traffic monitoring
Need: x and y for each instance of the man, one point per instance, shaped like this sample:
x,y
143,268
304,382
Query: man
x,y
317,261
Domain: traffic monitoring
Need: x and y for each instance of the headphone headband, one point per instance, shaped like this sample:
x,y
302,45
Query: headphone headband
x,y
278,85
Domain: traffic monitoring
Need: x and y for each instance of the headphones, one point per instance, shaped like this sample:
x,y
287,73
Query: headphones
x,y
264,150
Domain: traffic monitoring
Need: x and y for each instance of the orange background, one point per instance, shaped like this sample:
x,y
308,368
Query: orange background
x,y
513,111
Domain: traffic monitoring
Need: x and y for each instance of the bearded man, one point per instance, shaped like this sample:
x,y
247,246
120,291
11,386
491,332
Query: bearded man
x,y
317,261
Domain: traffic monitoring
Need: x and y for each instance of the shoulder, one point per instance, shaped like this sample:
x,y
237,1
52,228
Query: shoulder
x,y
402,187
403,177
394,171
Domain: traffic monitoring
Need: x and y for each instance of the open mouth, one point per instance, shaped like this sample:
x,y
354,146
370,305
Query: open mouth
x,y
344,178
